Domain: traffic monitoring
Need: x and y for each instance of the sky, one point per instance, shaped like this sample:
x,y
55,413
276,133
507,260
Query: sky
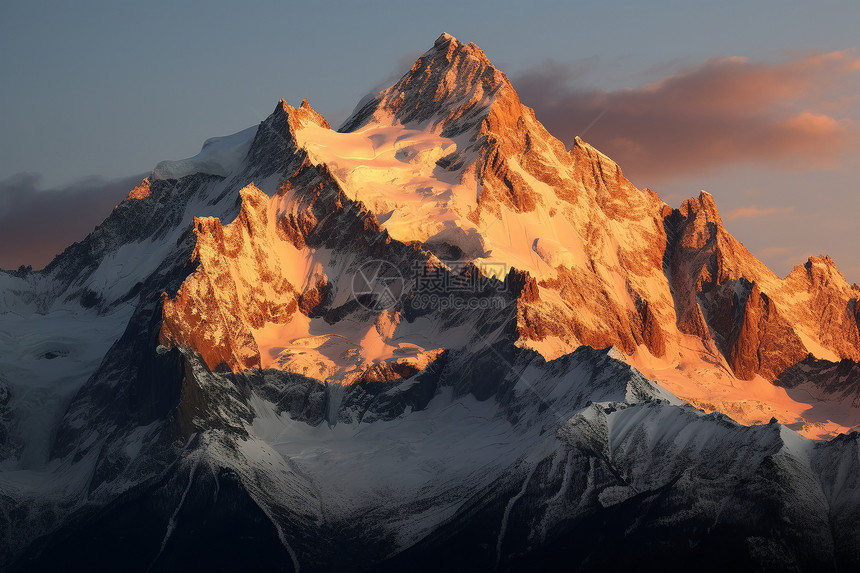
x,y
755,102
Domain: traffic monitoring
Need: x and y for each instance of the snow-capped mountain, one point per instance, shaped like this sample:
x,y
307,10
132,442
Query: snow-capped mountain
x,y
433,338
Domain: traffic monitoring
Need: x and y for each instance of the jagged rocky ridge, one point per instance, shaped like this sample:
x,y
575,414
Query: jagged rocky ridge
x,y
199,383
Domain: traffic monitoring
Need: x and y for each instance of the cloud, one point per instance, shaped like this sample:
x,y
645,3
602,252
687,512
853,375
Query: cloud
x,y
755,212
720,112
36,225
768,252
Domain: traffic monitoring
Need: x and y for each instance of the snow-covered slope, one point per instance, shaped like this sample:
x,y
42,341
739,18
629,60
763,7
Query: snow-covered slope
x,y
219,156
421,340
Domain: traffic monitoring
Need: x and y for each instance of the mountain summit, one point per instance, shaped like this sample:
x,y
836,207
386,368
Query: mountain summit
x,y
434,338
450,90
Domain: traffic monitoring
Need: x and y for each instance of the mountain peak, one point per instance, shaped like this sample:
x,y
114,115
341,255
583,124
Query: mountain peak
x,y
450,88
444,38
705,205
819,270
302,115
822,261
450,46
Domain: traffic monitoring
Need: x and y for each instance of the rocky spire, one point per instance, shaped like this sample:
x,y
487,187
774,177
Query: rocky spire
x,y
274,143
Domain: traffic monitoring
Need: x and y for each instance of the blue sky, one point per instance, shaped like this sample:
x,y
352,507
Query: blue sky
x,y
108,89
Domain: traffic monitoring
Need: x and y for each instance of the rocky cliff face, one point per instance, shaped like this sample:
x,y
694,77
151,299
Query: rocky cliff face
x,y
423,332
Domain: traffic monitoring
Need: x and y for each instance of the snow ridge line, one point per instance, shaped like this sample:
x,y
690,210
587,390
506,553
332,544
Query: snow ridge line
x,y
171,525
507,514
281,536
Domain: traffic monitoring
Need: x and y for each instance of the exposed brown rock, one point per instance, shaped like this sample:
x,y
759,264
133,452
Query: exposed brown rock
x,y
314,297
521,282
763,342
613,191
389,372
141,191
218,305
826,310
646,328
606,324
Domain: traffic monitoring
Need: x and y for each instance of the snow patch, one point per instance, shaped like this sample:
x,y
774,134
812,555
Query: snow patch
x,y
46,358
555,254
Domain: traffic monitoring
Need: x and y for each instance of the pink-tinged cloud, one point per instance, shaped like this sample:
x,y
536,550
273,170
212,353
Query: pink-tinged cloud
x,y
724,111
36,225
754,212
773,252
